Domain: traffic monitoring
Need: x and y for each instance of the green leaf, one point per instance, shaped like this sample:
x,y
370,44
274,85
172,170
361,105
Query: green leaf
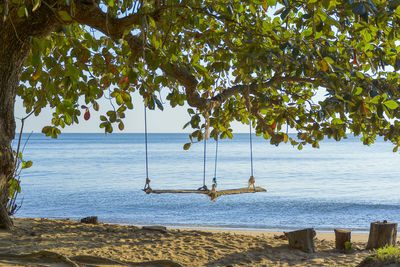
x,y
129,105
36,5
159,104
46,130
119,99
110,3
26,164
307,32
64,15
391,104
265,5
14,185
22,11
358,91
96,106
331,21
375,99
35,60
329,60
68,119
337,121
360,75
187,146
121,126
253,9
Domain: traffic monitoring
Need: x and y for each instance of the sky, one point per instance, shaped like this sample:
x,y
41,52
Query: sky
x,y
171,120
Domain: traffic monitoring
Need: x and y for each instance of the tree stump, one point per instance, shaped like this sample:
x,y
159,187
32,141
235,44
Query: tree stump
x,y
341,237
302,239
381,234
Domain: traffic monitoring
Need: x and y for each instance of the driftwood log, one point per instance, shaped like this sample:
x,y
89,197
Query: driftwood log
x,y
341,237
302,239
90,220
209,192
382,234
156,228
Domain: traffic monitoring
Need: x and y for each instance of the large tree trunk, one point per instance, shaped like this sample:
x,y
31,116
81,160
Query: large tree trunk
x,y
15,43
13,52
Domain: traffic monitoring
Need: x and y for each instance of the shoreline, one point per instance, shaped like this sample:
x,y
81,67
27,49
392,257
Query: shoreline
x,y
247,229
214,227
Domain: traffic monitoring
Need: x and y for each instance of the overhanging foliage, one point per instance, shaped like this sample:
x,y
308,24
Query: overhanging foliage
x,y
230,60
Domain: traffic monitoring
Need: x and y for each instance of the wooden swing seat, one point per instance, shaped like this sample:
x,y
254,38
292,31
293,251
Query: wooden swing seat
x,y
210,193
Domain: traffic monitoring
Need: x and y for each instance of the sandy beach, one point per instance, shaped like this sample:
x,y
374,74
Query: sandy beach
x,y
43,242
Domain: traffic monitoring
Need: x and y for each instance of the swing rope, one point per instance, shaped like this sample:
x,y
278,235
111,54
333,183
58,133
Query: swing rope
x,y
204,187
215,162
252,180
147,184
251,150
204,160
216,154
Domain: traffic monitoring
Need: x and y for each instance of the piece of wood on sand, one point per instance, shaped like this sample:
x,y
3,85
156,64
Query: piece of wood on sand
x,y
90,220
302,239
156,228
382,234
341,237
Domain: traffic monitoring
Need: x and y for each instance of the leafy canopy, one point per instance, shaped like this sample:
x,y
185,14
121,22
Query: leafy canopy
x,y
259,60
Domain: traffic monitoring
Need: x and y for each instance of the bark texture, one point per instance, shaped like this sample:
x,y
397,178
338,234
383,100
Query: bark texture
x,y
16,34
302,239
382,234
12,56
341,237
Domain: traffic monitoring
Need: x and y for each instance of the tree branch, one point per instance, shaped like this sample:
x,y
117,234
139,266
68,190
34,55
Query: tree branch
x,y
115,27
185,78
91,15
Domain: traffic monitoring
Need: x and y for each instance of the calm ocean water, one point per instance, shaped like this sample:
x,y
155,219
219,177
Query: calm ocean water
x,y
342,184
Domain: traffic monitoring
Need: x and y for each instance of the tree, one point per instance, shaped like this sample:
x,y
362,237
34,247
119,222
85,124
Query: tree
x,y
258,60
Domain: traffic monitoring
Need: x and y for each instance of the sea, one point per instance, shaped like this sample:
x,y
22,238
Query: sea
x,y
339,185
